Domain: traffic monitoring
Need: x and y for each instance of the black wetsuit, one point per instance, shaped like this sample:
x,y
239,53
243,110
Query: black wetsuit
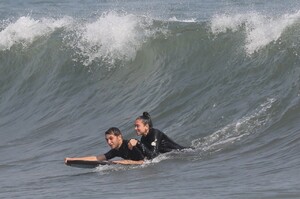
x,y
156,142
125,153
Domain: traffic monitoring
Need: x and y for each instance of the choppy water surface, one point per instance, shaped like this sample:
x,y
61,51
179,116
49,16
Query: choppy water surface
x,y
222,77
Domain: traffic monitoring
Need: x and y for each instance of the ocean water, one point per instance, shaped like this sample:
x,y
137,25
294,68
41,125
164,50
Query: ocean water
x,y
221,76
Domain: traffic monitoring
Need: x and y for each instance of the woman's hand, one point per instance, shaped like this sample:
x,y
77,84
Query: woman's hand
x,y
132,143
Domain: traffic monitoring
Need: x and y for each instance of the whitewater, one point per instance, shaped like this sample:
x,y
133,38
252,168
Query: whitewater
x,y
222,77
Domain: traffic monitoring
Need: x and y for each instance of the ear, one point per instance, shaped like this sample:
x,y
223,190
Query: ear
x,y
147,127
119,137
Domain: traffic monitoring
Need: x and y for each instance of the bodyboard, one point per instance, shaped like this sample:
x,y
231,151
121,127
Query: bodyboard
x,y
87,164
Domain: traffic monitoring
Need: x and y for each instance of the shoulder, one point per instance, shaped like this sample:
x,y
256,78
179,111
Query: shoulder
x,y
124,144
155,134
111,154
155,131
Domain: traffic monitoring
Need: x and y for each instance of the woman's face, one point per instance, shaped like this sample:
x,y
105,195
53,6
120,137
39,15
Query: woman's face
x,y
113,141
141,128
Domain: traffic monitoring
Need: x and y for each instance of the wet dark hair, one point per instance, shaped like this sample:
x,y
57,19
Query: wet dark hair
x,y
146,119
113,130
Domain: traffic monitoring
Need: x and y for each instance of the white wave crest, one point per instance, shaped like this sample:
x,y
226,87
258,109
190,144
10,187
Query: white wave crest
x,y
26,30
192,20
260,29
113,36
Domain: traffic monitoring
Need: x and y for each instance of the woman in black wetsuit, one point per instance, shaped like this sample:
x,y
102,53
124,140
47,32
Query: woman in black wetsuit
x,y
153,141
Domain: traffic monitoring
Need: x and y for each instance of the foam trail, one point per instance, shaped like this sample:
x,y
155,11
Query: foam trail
x,y
236,130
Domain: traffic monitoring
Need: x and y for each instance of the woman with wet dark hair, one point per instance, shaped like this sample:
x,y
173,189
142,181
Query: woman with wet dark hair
x,y
153,141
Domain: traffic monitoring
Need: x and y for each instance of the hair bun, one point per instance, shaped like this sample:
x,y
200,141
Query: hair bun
x,y
146,119
146,114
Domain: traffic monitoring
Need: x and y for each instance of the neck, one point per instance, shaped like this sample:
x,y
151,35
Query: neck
x,y
120,144
146,133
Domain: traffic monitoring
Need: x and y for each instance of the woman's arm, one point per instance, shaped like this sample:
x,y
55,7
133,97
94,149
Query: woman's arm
x,y
142,148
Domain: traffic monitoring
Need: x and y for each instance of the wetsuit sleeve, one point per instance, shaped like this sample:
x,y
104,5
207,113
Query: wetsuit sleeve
x,y
110,154
145,151
137,154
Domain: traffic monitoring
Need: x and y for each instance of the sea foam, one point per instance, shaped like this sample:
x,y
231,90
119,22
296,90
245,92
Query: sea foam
x,y
26,30
260,30
112,36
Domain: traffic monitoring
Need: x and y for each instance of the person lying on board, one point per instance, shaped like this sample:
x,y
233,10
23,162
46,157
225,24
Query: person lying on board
x,y
119,148
153,141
